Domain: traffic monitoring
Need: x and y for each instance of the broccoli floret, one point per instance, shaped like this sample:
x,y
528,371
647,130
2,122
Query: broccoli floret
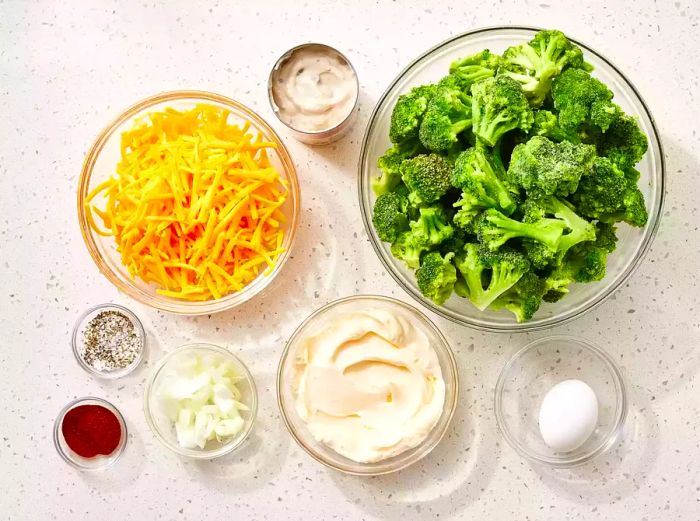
x,y
499,105
546,124
524,298
584,263
623,142
608,195
495,229
577,229
436,276
488,274
575,92
432,226
455,243
480,174
548,167
427,177
389,216
474,68
409,248
390,165
603,113
534,64
408,113
448,114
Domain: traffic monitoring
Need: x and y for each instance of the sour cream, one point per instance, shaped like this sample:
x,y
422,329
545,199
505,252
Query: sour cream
x,y
313,88
369,384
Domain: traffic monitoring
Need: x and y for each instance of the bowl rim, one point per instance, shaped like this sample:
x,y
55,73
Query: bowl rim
x,y
515,327
622,403
184,307
448,408
201,454
107,461
140,331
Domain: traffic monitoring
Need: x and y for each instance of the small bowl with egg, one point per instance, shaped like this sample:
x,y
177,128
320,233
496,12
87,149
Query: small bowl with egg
x,y
561,401
189,202
367,385
201,401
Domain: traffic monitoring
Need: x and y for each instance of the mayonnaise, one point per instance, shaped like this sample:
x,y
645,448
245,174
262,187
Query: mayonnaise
x,y
314,88
369,384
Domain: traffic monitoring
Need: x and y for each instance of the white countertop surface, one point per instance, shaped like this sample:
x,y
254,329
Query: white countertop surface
x,y
67,68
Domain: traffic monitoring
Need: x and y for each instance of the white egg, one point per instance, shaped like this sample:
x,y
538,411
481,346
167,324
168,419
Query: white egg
x,y
568,415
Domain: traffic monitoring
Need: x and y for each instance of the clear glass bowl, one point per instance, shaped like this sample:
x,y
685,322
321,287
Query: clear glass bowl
x,y
100,163
75,460
296,425
163,427
533,371
633,242
76,340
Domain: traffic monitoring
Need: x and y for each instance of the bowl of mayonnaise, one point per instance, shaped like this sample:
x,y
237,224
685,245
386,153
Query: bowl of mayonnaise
x,y
367,385
313,89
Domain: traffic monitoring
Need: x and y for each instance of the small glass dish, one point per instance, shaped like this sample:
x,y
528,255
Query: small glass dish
x,y
533,371
77,335
163,427
75,460
296,425
100,164
633,242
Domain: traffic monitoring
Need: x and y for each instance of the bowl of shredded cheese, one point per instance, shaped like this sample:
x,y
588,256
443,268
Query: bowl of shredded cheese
x,y
188,202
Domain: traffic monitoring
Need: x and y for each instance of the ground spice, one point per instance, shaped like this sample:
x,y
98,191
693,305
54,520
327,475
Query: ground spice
x,y
90,430
110,341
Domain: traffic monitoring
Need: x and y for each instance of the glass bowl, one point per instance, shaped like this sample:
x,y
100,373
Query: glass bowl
x,y
163,427
296,425
533,371
98,462
633,242
100,164
76,340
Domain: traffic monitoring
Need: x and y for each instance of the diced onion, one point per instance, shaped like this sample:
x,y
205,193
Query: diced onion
x,y
201,397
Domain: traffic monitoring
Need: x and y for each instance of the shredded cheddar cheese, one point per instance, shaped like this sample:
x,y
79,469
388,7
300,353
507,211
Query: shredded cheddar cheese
x,y
195,206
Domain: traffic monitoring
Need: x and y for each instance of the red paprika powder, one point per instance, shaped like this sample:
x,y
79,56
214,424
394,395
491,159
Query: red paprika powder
x,y
90,430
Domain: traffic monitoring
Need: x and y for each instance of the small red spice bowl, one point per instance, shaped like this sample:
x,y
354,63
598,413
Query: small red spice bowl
x,y
92,437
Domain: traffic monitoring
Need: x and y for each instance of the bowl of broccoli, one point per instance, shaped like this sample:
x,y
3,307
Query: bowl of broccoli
x,y
511,178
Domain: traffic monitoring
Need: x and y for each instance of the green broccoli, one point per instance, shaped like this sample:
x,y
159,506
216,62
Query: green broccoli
x,y
494,229
480,173
546,124
606,236
448,114
455,243
390,165
389,216
432,226
408,113
500,269
537,62
474,68
603,113
427,177
608,195
551,168
577,229
498,106
524,298
574,93
623,142
409,248
436,276
584,263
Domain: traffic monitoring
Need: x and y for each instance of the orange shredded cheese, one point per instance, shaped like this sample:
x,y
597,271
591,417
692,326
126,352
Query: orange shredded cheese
x,y
195,206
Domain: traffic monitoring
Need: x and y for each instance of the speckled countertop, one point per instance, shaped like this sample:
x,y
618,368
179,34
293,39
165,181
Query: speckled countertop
x,y
66,68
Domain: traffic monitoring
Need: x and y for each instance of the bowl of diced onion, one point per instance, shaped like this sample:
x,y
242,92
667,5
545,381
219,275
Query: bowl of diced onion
x,y
189,202
201,401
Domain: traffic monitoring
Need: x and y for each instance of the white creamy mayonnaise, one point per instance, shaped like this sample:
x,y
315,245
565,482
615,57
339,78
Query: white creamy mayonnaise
x,y
369,384
314,88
